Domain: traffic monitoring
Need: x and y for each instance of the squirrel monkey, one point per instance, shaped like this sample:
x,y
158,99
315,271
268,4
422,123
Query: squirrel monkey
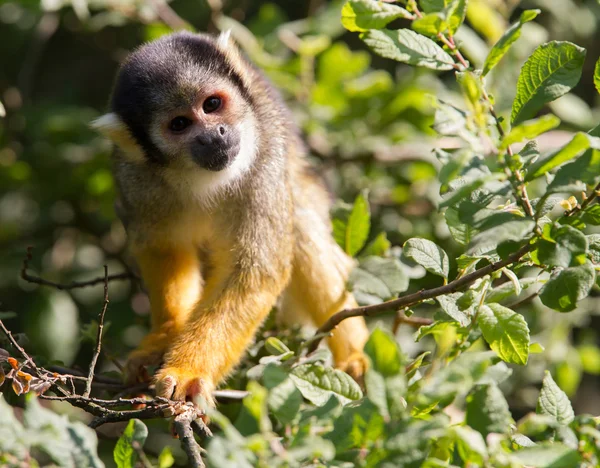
x,y
222,211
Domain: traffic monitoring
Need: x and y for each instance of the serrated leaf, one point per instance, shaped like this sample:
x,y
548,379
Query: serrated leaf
x,y
124,454
530,129
318,383
554,402
487,410
429,255
470,444
579,143
564,289
384,353
551,71
506,332
409,47
591,215
508,38
361,15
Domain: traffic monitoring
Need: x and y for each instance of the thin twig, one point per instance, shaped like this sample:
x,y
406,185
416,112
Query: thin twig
x,y
88,385
13,341
182,425
415,298
585,203
416,322
67,286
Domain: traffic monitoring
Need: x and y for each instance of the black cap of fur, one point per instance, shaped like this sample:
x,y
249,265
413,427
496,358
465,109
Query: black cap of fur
x,y
152,77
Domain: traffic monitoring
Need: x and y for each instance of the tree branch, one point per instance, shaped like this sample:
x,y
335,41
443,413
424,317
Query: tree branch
x,y
182,425
72,285
414,298
88,385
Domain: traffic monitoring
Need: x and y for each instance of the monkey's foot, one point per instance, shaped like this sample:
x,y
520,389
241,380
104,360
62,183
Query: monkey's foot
x,y
355,366
177,383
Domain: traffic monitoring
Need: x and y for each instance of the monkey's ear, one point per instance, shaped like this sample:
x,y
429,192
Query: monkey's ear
x,y
224,38
112,127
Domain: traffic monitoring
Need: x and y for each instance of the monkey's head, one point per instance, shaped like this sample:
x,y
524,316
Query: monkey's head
x,y
183,102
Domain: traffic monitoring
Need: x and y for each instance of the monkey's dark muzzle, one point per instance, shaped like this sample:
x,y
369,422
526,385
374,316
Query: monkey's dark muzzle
x,y
216,148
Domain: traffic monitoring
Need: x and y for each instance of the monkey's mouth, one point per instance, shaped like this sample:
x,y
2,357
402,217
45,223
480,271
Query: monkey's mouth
x,y
215,157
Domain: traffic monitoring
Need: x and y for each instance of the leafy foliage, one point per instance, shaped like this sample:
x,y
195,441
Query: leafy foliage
x,y
497,228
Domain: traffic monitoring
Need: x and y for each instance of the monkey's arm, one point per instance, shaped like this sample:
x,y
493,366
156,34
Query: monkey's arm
x,y
239,297
172,278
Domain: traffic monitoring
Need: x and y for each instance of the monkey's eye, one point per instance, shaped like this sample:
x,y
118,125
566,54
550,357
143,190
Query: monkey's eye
x,y
211,104
179,124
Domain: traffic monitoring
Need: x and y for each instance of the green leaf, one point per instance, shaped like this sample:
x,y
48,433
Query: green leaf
x,y
166,459
275,346
378,279
597,76
530,129
432,6
430,25
351,228
594,247
361,15
284,399
461,232
384,353
554,402
579,143
551,71
569,246
378,246
359,225
487,410
450,305
564,289
549,455
591,215
318,383
510,231
506,332
456,12
508,38
409,47
124,454
429,255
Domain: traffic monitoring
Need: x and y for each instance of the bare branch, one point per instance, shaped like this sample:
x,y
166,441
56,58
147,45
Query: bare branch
x,y
73,284
88,385
183,426
416,322
415,298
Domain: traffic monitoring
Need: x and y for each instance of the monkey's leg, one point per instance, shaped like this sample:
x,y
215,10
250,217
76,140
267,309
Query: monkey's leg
x,y
219,330
318,289
172,278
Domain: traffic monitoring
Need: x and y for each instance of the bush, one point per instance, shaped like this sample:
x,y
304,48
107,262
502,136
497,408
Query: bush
x,y
497,269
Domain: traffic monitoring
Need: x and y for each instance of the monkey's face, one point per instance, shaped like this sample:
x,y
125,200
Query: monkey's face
x,y
208,133
182,106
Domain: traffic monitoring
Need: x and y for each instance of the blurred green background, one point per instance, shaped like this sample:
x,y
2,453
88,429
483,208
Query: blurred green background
x,y
366,121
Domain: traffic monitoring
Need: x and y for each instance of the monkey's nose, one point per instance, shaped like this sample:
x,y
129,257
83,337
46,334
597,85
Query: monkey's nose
x,y
222,130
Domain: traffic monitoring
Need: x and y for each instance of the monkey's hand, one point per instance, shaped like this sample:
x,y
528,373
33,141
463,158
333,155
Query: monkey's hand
x,y
180,383
150,352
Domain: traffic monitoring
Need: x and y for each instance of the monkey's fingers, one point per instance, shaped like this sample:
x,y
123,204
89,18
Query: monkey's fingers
x,y
137,362
181,384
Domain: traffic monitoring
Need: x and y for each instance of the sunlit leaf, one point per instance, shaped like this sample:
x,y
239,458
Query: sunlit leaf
x,y
508,38
409,47
551,71
361,15
429,255
554,402
506,332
